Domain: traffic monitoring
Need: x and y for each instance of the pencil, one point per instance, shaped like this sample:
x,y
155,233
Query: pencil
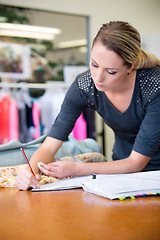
x,y
26,159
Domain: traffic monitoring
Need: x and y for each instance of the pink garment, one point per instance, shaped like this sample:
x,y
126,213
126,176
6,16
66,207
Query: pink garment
x,y
5,103
0,121
80,128
36,119
13,121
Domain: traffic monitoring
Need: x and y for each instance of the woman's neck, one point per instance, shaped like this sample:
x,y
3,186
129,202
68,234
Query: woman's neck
x,y
121,98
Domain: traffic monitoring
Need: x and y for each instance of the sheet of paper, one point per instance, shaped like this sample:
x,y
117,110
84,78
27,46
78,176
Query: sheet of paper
x,y
70,183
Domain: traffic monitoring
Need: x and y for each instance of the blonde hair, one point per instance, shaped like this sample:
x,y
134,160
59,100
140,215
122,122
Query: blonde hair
x,y
125,40
146,60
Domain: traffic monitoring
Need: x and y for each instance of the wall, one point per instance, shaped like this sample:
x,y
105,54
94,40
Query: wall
x,y
143,14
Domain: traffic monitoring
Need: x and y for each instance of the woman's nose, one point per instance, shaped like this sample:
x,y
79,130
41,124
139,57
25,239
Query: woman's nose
x,y
100,76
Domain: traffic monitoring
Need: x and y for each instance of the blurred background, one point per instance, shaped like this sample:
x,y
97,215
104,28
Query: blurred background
x,y
48,43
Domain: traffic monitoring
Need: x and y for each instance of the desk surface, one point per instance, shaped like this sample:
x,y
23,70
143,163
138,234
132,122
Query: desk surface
x,y
75,214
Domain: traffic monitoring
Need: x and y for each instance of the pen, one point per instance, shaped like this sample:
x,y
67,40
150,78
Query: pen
x,y
26,159
93,176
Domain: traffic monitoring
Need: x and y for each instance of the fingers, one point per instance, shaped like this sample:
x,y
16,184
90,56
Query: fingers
x,y
25,180
50,169
60,169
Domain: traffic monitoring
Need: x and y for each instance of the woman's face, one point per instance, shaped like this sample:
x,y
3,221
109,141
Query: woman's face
x,y
107,69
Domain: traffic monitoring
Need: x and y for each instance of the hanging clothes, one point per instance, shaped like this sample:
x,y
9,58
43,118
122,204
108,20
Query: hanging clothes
x,y
36,119
50,104
13,121
80,128
4,105
25,118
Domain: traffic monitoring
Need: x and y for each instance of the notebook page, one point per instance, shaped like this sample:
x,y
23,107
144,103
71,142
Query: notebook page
x,y
69,183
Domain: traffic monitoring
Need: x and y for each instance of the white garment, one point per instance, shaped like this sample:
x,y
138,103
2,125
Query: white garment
x,y
50,104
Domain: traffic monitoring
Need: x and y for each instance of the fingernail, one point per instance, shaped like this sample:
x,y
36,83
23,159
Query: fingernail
x,y
39,166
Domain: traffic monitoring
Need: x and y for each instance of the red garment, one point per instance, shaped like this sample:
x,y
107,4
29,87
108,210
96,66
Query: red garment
x,y
5,103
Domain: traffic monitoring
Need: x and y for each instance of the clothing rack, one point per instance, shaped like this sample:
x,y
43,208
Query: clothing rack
x,y
33,85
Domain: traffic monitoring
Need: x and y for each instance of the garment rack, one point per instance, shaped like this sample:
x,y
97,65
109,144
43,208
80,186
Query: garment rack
x,y
33,85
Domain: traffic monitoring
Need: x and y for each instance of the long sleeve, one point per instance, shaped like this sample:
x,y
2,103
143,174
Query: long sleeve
x,y
71,109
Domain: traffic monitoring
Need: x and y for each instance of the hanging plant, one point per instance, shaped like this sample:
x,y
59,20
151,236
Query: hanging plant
x,y
13,15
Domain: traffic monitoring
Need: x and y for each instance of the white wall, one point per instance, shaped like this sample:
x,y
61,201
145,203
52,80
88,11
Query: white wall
x,y
142,14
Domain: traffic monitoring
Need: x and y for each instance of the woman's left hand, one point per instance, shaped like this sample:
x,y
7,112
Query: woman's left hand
x,y
60,169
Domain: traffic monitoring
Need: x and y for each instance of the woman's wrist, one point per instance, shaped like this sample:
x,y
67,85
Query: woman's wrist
x,y
82,169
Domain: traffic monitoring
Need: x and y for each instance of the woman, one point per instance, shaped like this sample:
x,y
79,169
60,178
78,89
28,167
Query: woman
x,y
123,86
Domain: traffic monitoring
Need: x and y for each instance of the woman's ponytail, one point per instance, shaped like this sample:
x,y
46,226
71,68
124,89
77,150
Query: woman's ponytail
x,y
146,60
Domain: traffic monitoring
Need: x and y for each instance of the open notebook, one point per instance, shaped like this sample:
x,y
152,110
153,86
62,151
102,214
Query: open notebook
x,y
125,185
111,186
69,183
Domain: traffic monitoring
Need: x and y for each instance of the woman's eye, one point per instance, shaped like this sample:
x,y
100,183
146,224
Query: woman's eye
x,y
94,65
111,72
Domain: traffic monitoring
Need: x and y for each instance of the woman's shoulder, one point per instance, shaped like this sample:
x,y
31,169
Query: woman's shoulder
x,y
149,76
84,81
149,82
149,73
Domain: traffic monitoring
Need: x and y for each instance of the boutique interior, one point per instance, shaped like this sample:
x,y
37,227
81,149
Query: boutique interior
x,y
44,45
38,63
42,50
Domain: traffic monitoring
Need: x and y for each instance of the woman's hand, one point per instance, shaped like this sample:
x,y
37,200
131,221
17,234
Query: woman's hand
x,y
60,169
25,180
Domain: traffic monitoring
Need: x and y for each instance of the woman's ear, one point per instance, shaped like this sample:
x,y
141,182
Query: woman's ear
x,y
131,68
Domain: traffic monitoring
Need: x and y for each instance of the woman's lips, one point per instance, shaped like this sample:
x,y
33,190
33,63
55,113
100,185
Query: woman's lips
x,y
99,85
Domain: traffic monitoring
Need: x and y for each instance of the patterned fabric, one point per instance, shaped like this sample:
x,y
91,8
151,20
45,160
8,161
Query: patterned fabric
x,y
8,174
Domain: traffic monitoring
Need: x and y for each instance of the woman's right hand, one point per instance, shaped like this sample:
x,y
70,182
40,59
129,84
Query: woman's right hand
x,y
25,179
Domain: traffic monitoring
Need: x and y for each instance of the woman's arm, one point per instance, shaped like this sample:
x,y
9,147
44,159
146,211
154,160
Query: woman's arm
x,y
134,163
45,153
